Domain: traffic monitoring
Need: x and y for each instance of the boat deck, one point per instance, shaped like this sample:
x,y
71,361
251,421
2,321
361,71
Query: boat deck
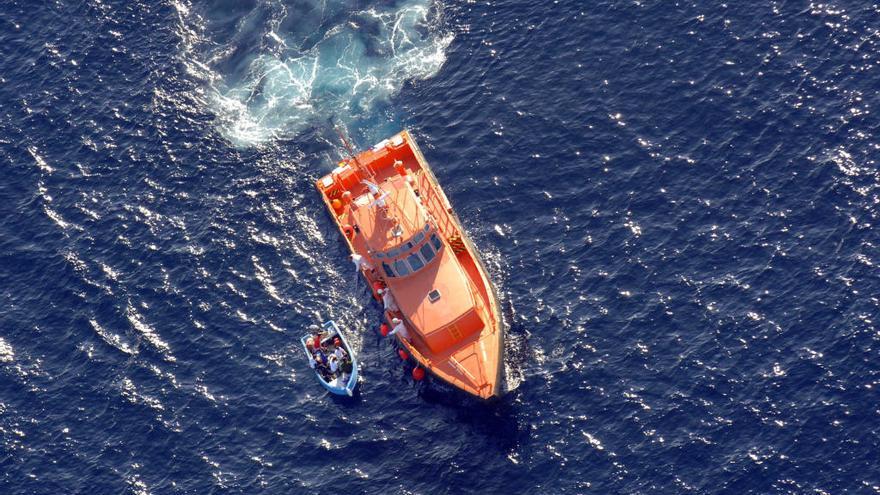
x,y
475,362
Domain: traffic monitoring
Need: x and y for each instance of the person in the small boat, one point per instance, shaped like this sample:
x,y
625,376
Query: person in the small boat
x,y
313,345
388,300
399,328
314,342
339,352
317,358
342,358
333,362
345,366
322,365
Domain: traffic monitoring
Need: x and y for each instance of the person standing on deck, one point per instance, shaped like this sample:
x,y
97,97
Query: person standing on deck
x,y
360,263
388,300
399,328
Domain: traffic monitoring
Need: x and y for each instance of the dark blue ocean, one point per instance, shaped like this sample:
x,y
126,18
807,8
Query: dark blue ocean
x,y
678,201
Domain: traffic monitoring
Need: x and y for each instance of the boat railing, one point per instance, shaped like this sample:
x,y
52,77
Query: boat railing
x,y
438,208
418,355
400,214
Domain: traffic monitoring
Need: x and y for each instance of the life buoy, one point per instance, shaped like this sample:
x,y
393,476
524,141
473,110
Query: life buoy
x,y
349,231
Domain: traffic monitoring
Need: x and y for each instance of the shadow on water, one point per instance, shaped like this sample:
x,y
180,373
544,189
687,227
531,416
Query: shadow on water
x,y
341,400
498,419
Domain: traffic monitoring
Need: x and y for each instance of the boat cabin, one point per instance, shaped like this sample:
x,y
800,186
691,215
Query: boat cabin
x,y
428,284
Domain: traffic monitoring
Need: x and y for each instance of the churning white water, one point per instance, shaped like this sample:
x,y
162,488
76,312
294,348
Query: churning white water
x,y
290,65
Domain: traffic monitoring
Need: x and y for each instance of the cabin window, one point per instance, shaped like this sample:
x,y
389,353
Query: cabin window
x,y
401,268
387,268
427,252
418,238
415,262
436,242
427,227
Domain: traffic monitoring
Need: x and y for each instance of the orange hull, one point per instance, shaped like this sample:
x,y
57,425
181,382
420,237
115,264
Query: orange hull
x,y
392,212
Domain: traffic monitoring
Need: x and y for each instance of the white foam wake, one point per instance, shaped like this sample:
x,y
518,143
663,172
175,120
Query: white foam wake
x,y
7,354
318,59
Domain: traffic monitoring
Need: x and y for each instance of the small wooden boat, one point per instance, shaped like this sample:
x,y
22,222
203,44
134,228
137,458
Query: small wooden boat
x,y
404,236
340,382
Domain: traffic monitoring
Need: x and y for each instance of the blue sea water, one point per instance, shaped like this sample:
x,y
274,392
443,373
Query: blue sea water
x,y
677,200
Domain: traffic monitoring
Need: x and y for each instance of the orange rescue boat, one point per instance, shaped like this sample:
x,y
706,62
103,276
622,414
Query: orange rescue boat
x,y
404,235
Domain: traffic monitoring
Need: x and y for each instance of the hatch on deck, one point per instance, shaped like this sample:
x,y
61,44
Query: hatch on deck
x,y
434,295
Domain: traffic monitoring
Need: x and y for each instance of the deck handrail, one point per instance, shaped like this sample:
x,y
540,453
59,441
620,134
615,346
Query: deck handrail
x,y
436,206
401,216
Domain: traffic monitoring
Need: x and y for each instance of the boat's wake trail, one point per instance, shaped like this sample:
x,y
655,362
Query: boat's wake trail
x,y
276,68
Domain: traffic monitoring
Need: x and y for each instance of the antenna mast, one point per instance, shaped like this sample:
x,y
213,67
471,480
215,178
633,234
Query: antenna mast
x,y
351,153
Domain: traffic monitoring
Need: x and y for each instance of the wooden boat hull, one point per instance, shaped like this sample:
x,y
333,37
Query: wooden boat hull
x,y
337,386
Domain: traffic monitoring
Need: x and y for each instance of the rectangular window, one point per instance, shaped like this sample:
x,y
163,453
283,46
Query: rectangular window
x,y
401,268
436,242
427,252
387,269
418,238
415,262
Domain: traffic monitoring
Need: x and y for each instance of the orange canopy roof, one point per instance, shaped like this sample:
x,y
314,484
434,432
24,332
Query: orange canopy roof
x,y
377,224
429,318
